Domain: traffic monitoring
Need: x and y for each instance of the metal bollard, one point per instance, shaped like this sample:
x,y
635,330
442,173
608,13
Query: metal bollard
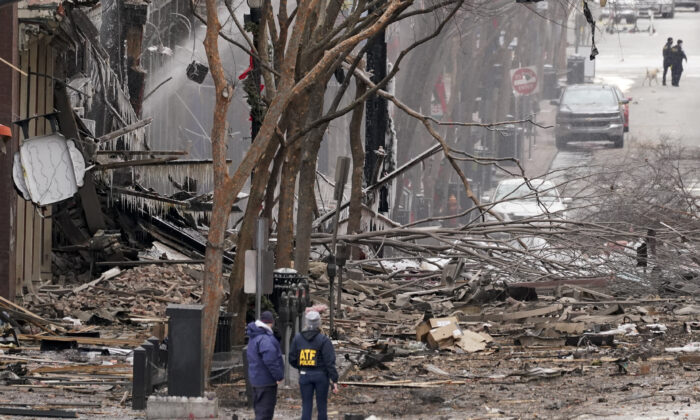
x,y
138,388
301,306
156,350
285,315
284,318
293,302
149,371
293,311
185,359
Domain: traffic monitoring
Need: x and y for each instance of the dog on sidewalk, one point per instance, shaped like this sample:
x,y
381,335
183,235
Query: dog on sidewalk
x,y
652,74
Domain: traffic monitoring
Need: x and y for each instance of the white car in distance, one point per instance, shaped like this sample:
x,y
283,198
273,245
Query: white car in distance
x,y
513,199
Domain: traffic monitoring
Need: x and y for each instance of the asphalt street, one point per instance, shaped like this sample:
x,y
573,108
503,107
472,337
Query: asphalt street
x,y
656,112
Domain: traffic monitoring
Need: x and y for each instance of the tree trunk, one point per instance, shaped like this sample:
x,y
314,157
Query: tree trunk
x,y
213,290
272,184
307,180
238,301
358,161
285,207
307,199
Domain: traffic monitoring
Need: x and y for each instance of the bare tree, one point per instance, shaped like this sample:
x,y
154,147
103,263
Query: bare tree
x,y
307,47
311,44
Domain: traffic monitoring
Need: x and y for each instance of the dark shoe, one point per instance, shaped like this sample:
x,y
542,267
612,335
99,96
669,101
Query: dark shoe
x,y
663,84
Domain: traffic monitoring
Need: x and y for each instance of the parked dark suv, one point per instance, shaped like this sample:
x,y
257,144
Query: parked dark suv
x,y
589,112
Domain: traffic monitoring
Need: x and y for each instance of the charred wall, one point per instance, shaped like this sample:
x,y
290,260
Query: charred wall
x,y
8,111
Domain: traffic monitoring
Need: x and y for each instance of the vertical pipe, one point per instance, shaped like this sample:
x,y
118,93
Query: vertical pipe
x,y
287,331
261,247
340,288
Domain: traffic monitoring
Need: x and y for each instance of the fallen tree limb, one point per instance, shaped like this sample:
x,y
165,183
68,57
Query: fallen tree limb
x,y
405,384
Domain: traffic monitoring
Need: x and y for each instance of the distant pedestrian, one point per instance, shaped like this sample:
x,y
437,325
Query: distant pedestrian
x,y
265,365
642,256
651,241
312,353
677,57
667,57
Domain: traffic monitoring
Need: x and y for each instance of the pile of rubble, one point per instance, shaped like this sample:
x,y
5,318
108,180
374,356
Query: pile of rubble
x,y
137,295
428,341
495,350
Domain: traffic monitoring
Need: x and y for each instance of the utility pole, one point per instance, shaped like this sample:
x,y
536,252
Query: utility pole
x,y
377,117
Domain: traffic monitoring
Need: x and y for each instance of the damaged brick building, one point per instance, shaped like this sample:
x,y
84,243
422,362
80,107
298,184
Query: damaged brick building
x,y
86,62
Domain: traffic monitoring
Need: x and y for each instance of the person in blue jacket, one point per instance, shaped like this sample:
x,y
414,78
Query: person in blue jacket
x,y
265,365
312,353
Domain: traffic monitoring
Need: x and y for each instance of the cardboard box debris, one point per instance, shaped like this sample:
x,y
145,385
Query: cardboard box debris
x,y
422,331
471,341
442,337
441,322
437,332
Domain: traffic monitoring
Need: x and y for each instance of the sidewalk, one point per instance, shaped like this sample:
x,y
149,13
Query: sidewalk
x,y
544,149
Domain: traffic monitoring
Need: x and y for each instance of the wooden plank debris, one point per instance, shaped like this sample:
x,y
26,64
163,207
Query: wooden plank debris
x,y
109,274
113,342
117,369
148,262
129,293
553,284
405,384
30,316
529,313
32,412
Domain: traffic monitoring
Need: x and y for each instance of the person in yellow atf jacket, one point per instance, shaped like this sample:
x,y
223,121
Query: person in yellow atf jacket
x,y
312,353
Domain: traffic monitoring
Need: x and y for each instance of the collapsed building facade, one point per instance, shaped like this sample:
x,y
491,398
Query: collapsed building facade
x,y
83,70
85,67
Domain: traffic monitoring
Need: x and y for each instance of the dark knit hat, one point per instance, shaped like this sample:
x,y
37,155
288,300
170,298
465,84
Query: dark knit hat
x,y
267,317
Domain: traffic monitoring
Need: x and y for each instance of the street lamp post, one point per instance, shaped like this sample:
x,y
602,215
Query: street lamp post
x,y
253,19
